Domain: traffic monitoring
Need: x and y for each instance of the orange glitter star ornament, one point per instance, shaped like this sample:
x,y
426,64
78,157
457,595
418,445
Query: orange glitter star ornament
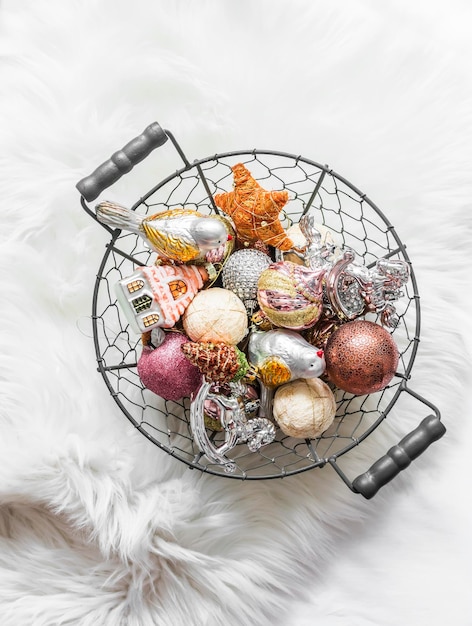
x,y
254,210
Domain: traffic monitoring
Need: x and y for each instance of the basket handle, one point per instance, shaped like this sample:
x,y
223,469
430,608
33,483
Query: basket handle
x,y
399,457
122,161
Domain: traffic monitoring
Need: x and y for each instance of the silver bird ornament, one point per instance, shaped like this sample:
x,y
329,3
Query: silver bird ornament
x,y
279,356
282,355
180,235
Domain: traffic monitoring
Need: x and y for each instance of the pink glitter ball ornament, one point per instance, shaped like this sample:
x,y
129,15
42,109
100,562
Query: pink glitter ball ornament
x,y
166,371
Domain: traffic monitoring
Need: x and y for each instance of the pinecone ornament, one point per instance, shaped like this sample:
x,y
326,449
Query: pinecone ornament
x,y
218,362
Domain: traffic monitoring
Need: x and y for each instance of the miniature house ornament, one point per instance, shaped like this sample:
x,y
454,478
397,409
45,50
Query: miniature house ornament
x,y
156,296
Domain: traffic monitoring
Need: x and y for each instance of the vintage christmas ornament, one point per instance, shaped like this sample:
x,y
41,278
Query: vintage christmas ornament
x,y
296,233
180,235
241,273
304,408
212,410
216,315
319,251
166,371
254,210
350,289
361,357
156,296
353,290
309,237
218,362
283,355
256,432
291,295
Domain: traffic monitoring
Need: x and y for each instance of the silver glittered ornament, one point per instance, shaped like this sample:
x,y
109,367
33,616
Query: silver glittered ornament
x,y
241,273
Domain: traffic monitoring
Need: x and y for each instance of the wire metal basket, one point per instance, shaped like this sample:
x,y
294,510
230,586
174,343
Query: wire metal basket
x,y
354,220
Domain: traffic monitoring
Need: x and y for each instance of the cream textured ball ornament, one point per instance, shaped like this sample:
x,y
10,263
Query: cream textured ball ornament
x,y
216,315
304,408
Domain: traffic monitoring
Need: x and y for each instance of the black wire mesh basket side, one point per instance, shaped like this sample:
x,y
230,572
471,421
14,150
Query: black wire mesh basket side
x,y
354,221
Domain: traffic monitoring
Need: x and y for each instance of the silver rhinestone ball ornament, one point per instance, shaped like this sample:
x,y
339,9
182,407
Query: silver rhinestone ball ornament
x,y
241,273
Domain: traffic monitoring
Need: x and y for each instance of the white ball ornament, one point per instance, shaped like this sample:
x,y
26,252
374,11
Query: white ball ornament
x,y
216,315
304,408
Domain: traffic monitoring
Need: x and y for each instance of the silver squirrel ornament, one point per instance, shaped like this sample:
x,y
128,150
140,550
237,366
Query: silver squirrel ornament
x,y
352,290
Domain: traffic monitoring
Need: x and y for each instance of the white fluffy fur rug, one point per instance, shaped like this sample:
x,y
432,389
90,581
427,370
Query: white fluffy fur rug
x,y
98,526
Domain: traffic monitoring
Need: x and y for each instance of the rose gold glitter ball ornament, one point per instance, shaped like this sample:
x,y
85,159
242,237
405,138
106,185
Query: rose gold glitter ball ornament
x,y
361,357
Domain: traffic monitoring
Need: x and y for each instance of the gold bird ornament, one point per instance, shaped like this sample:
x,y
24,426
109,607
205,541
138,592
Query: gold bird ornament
x,y
180,235
254,210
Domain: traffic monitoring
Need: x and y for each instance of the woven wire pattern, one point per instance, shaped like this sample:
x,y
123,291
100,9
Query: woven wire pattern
x,y
353,220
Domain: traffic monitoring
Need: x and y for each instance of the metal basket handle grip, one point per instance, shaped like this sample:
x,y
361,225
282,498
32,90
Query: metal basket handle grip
x,y
122,161
399,457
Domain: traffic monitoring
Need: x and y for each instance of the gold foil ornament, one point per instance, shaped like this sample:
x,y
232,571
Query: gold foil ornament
x,y
291,295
